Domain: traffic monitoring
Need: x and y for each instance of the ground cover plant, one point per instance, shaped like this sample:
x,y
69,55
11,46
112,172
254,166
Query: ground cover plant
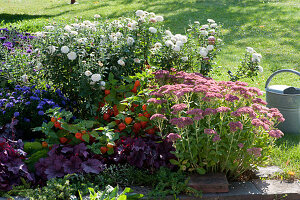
x,y
101,78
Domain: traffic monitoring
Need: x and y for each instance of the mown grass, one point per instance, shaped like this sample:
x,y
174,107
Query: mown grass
x,y
271,27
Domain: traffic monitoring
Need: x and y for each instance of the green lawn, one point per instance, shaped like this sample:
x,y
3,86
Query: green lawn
x,y
271,27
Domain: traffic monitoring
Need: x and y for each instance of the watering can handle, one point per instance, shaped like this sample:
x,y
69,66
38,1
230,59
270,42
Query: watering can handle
x,y
280,71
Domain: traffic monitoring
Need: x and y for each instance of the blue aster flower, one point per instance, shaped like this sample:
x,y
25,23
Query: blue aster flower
x,y
41,112
16,114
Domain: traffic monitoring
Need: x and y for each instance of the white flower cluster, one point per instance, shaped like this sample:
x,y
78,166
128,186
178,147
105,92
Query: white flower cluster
x,y
176,42
256,57
95,78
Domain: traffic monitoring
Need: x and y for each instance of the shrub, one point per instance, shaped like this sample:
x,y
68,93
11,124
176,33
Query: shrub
x,y
12,167
216,126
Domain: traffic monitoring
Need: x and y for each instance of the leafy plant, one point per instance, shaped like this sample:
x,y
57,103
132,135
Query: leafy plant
x,y
215,126
12,166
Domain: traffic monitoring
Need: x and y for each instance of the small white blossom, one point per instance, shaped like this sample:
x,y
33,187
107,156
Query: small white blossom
x,y
68,28
211,21
205,26
152,30
157,45
249,49
38,66
130,41
87,22
24,78
92,83
183,39
102,88
220,40
159,18
119,34
96,16
204,32
169,43
176,48
88,73
214,25
72,55
51,49
179,43
196,22
136,60
82,40
132,25
121,62
256,57
102,83
96,77
140,13
184,59
203,51
73,33
169,33
49,28
210,47
260,69
65,49
153,20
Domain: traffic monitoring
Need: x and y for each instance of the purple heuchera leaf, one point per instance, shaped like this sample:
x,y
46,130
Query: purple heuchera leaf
x,y
55,168
15,166
80,149
67,149
73,165
92,166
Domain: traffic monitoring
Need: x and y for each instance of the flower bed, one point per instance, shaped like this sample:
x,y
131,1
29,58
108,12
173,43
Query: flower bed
x,y
88,96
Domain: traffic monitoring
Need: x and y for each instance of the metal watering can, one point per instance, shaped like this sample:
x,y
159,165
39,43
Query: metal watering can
x,y
287,100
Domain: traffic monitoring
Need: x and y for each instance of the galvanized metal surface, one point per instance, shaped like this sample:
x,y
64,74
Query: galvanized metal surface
x,y
288,104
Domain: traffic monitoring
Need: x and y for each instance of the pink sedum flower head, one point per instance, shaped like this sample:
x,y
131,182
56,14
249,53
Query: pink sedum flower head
x,y
173,137
210,132
160,116
276,133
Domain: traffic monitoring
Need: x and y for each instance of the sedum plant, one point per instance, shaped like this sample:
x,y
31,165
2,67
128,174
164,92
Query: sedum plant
x,y
215,126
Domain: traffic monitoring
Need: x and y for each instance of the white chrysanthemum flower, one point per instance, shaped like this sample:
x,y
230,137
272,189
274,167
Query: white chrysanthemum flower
x,y
210,21
73,33
142,20
96,77
82,40
72,55
205,26
87,22
214,25
196,22
49,28
130,41
132,25
119,34
51,49
220,40
159,18
184,59
24,78
140,13
121,62
152,30
157,45
210,47
39,34
68,28
212,32
176,48
65,49
250,50
260,69
169,43
256,57
113,37
136,60
179,43
183,39
88,73
203,51
92,83
96,16
204,32
102,83
168,33
102,88
75,25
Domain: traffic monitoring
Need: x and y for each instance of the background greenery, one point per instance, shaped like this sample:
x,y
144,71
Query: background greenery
x,y
271,27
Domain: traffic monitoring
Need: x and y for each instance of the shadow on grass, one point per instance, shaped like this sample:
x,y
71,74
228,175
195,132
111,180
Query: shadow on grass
x,y
12,18
289,140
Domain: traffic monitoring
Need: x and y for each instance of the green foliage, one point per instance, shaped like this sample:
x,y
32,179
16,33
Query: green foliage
x,y
32,147
34,158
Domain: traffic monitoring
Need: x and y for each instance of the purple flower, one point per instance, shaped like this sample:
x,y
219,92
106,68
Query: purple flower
x,y
209,131
216,138
16,114
255,151
161,116
41,112
241,145
235,125
223,109
181,122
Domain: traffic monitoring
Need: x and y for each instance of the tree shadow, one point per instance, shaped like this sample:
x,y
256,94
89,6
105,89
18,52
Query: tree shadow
x,y
12,18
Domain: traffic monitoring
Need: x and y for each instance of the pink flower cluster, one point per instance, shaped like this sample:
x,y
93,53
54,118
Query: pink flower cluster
x,y
234,126
255,151
210,131
178,107
173,137
276,133
156,101
161,116
181,122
